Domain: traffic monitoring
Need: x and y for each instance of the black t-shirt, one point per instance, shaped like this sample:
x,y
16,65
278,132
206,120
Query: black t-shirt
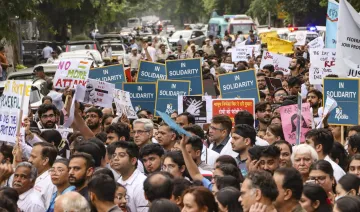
x,y
219,48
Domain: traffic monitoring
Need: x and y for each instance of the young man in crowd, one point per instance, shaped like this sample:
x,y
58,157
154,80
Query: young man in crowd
x,y
117,132
93,119
290,187
219,131
47,116
151,156
260,78
243,137
270,159
294,84
185,119
127,155
143,132
297,66
167,137
81,168
314,97
59,173
322,141
24,179
258,187
102,192
263,114
194,147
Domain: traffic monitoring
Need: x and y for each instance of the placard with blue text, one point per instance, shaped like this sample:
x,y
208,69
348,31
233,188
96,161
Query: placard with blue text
x,y
241,84
151,72
186,70
167,92
346,93
142,95
112,74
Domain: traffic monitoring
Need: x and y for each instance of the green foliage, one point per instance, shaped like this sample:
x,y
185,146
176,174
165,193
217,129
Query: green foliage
x,y
260,9
354,3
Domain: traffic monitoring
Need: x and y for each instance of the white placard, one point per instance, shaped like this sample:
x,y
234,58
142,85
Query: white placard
x,y
11,102
123,104
227,66
253,49
239,53
300,38
71,72
280,62
317,43
322,64
98,93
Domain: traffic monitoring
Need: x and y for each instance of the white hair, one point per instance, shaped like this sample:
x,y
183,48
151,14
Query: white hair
x,y
74,202
304,149
33,169
148,124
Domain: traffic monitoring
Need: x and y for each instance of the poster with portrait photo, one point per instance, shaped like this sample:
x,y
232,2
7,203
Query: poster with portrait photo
x,y
198,106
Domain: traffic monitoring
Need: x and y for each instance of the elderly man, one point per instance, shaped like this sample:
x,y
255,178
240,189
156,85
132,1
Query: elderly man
x,y
72,201
143,132
24,180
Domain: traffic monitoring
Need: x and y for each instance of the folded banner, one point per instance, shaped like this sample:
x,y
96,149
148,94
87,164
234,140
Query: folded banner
x,y
348,42
331,24
266,35
279,46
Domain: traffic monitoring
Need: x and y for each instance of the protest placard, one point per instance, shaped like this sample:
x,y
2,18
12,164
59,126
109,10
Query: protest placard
x,y
198,106
72,72
151,72
111,74
279,46
209,88
273,84
253,50
123,104
330,104
322,64
317,43
15,98
265,35
289,121
97,93
142,95
189,69
239,53
331,24
348,42
167,92
345,92
240,42
239,85
227,66
280,62
230,107
300,37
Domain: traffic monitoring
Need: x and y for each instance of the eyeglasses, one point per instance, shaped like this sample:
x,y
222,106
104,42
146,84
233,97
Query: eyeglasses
x,y
140,132
120,155
48,116
320,179
53,171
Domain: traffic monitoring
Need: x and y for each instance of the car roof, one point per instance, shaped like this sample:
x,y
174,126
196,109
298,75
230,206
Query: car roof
x,y
82,42
49,68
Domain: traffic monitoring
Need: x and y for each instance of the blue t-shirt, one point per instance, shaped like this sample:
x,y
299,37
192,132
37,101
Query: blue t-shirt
x,y
52,202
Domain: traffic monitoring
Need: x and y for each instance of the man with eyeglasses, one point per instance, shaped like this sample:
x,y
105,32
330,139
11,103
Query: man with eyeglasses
x,y
47,115
143,131
93,119
219,131
126,158
59,173
81,168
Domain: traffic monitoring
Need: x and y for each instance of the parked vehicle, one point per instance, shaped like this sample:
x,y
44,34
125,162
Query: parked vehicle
x,y
188,35
81,45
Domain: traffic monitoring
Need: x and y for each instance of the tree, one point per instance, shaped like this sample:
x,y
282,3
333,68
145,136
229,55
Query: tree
x,y
354,3
260,9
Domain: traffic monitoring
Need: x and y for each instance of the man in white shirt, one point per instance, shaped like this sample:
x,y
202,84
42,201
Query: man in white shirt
x,y
134,58
53,57
42,157
24,178
149,52
322,141
126,156
46,52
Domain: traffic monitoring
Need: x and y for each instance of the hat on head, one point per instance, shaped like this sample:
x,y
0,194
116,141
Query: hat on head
x,y
207,39
133,49
192,45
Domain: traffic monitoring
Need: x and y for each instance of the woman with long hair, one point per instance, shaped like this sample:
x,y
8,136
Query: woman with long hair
x,y
315,199
227,199
198,199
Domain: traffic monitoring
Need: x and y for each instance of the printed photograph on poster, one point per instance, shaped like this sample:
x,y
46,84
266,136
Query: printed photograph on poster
x,y
98,93
123,104
198,106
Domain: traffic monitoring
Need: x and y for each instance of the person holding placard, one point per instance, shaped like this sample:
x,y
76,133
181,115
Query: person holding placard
x,y
263,114
93,120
